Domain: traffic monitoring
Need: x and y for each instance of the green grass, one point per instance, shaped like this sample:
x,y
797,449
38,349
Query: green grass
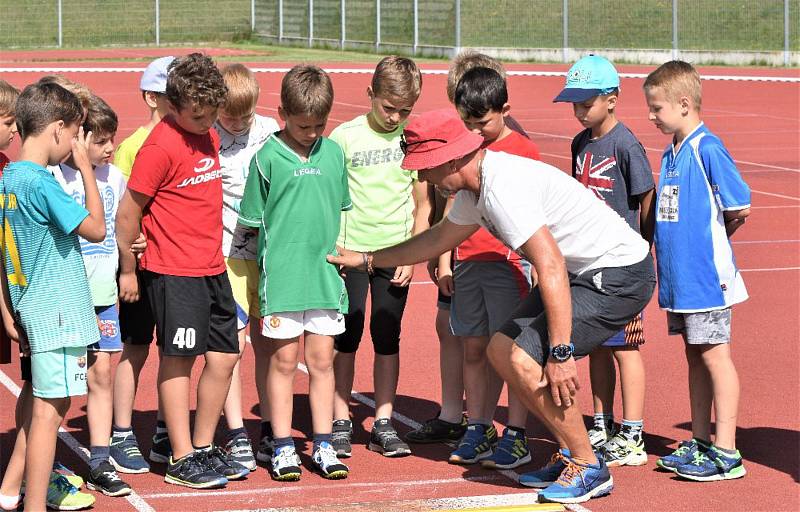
x,y
723,25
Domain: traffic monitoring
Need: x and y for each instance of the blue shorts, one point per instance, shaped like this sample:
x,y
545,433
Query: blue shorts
x,y
108,322
631,336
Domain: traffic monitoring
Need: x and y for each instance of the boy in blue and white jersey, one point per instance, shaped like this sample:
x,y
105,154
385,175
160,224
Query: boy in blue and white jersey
x,y
47,307
702,200
101,261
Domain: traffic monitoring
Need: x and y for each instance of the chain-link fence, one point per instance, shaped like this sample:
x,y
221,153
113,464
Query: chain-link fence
x,y
550,29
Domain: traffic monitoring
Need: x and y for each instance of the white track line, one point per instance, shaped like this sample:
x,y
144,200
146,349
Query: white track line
x,y
777,269
765,242
133,498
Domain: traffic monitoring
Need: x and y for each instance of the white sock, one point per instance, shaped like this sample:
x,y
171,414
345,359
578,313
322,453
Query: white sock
x,y
9,502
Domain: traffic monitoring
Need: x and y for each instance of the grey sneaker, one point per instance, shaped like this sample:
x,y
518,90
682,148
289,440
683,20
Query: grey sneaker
x,y
384,440
341,437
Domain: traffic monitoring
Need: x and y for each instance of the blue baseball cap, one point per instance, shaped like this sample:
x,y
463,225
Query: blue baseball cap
x,y
155,75
591,76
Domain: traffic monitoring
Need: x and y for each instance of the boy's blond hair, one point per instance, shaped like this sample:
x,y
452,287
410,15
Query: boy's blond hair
x,y
677,79
397,76
307,90
465,61
8,98
81,91
243,90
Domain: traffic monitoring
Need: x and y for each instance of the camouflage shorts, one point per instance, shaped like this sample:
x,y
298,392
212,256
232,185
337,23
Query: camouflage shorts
x,y
703,328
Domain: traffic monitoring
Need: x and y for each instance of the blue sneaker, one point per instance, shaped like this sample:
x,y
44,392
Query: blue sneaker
x,y
682,455
512,451
547,475
579,483
712,465
475,445
124,454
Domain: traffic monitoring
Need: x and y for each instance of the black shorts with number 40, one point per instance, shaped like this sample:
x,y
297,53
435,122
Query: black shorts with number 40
x,y
193,315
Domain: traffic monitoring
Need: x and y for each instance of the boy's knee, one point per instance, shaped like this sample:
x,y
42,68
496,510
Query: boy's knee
x,y
474,353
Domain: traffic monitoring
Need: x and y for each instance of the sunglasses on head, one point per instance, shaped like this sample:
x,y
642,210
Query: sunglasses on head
x,y
405,145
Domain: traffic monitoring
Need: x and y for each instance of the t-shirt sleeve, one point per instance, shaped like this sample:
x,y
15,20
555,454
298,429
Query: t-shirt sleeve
x,y
463,211
55,205
123,159
636,169
149,170
727,185
347,203
256,190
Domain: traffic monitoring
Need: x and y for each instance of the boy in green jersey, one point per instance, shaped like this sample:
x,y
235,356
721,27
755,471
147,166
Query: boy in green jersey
x,y
295,192
47,305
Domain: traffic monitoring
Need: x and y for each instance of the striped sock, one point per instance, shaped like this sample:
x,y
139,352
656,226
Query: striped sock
x,y
632,429
604,420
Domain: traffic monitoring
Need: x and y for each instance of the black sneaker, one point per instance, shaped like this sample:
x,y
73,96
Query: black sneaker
x,y
104,478
384,439
265,449
340,438
192,471
222,463
161,450
438,431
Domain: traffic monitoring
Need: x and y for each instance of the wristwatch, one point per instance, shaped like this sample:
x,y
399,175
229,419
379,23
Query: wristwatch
x,y
562,352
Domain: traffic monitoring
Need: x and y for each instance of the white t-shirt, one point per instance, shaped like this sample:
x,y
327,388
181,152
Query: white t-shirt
x,y
518,196
100,259
235,154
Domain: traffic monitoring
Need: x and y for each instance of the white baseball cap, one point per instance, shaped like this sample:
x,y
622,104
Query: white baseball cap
x,y
155,75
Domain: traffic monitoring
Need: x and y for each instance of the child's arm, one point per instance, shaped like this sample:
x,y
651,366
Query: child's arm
x,y
93,227
647,219
13,329
129,217
734,220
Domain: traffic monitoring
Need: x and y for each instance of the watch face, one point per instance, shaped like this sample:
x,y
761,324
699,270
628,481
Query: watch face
x,y
561,352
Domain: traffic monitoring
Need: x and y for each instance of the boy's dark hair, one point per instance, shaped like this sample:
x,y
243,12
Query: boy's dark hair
x,y
307,89
101,119
194,80
479,91
43,103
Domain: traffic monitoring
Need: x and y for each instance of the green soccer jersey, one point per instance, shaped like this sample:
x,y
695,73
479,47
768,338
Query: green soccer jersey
x,y
383,205
297,205
47,281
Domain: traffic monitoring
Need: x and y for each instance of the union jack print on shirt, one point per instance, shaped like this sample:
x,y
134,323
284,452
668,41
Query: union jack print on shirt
x,y
591,174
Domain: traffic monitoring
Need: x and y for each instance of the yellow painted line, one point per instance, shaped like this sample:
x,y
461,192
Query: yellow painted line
x,y
534,507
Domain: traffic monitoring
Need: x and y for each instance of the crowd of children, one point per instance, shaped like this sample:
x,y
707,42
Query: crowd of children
x,y
213,224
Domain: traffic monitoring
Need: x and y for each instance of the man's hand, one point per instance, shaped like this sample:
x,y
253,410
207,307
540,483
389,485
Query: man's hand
x,y
402,276
446,283
347,258
139,245
80,149
563,380
128,287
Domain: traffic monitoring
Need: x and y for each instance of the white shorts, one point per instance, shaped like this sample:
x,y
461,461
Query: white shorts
x,y
291,324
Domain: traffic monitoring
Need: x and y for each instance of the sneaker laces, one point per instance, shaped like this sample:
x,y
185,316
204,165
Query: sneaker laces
x,y
340,435
62,484
699,458
325,456
284,458
112,475
387,435
571,470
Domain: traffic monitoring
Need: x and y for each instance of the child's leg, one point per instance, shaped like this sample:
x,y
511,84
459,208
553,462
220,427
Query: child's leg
x,y
233,402
174,376
47,415
126,381
725,385
212,390
632,381
451,368
700,393
15,471
517,412
99,404
319,360
262,353
344,364
603,376
280,384
346,344
476,377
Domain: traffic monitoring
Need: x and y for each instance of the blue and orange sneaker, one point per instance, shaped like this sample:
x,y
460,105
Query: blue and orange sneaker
x,y
579,482
682,455
712,465
547,475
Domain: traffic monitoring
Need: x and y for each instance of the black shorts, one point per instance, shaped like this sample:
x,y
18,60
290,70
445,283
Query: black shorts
x,y
194,315
136,321
386,315
603,302
26,375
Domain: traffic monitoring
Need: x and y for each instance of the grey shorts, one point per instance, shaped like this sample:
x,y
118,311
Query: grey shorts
x,y
603,302
486,293
702,328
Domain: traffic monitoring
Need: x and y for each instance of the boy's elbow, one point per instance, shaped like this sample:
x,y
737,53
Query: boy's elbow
x,y
93,231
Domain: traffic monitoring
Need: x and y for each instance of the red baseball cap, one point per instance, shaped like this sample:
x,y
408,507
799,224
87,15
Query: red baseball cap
x,y
434,138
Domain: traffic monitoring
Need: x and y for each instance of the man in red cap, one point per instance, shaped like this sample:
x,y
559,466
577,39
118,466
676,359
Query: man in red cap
x,y
595,274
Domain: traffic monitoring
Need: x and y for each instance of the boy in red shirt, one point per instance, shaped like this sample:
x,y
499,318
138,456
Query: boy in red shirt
x,y
175,190
489,281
